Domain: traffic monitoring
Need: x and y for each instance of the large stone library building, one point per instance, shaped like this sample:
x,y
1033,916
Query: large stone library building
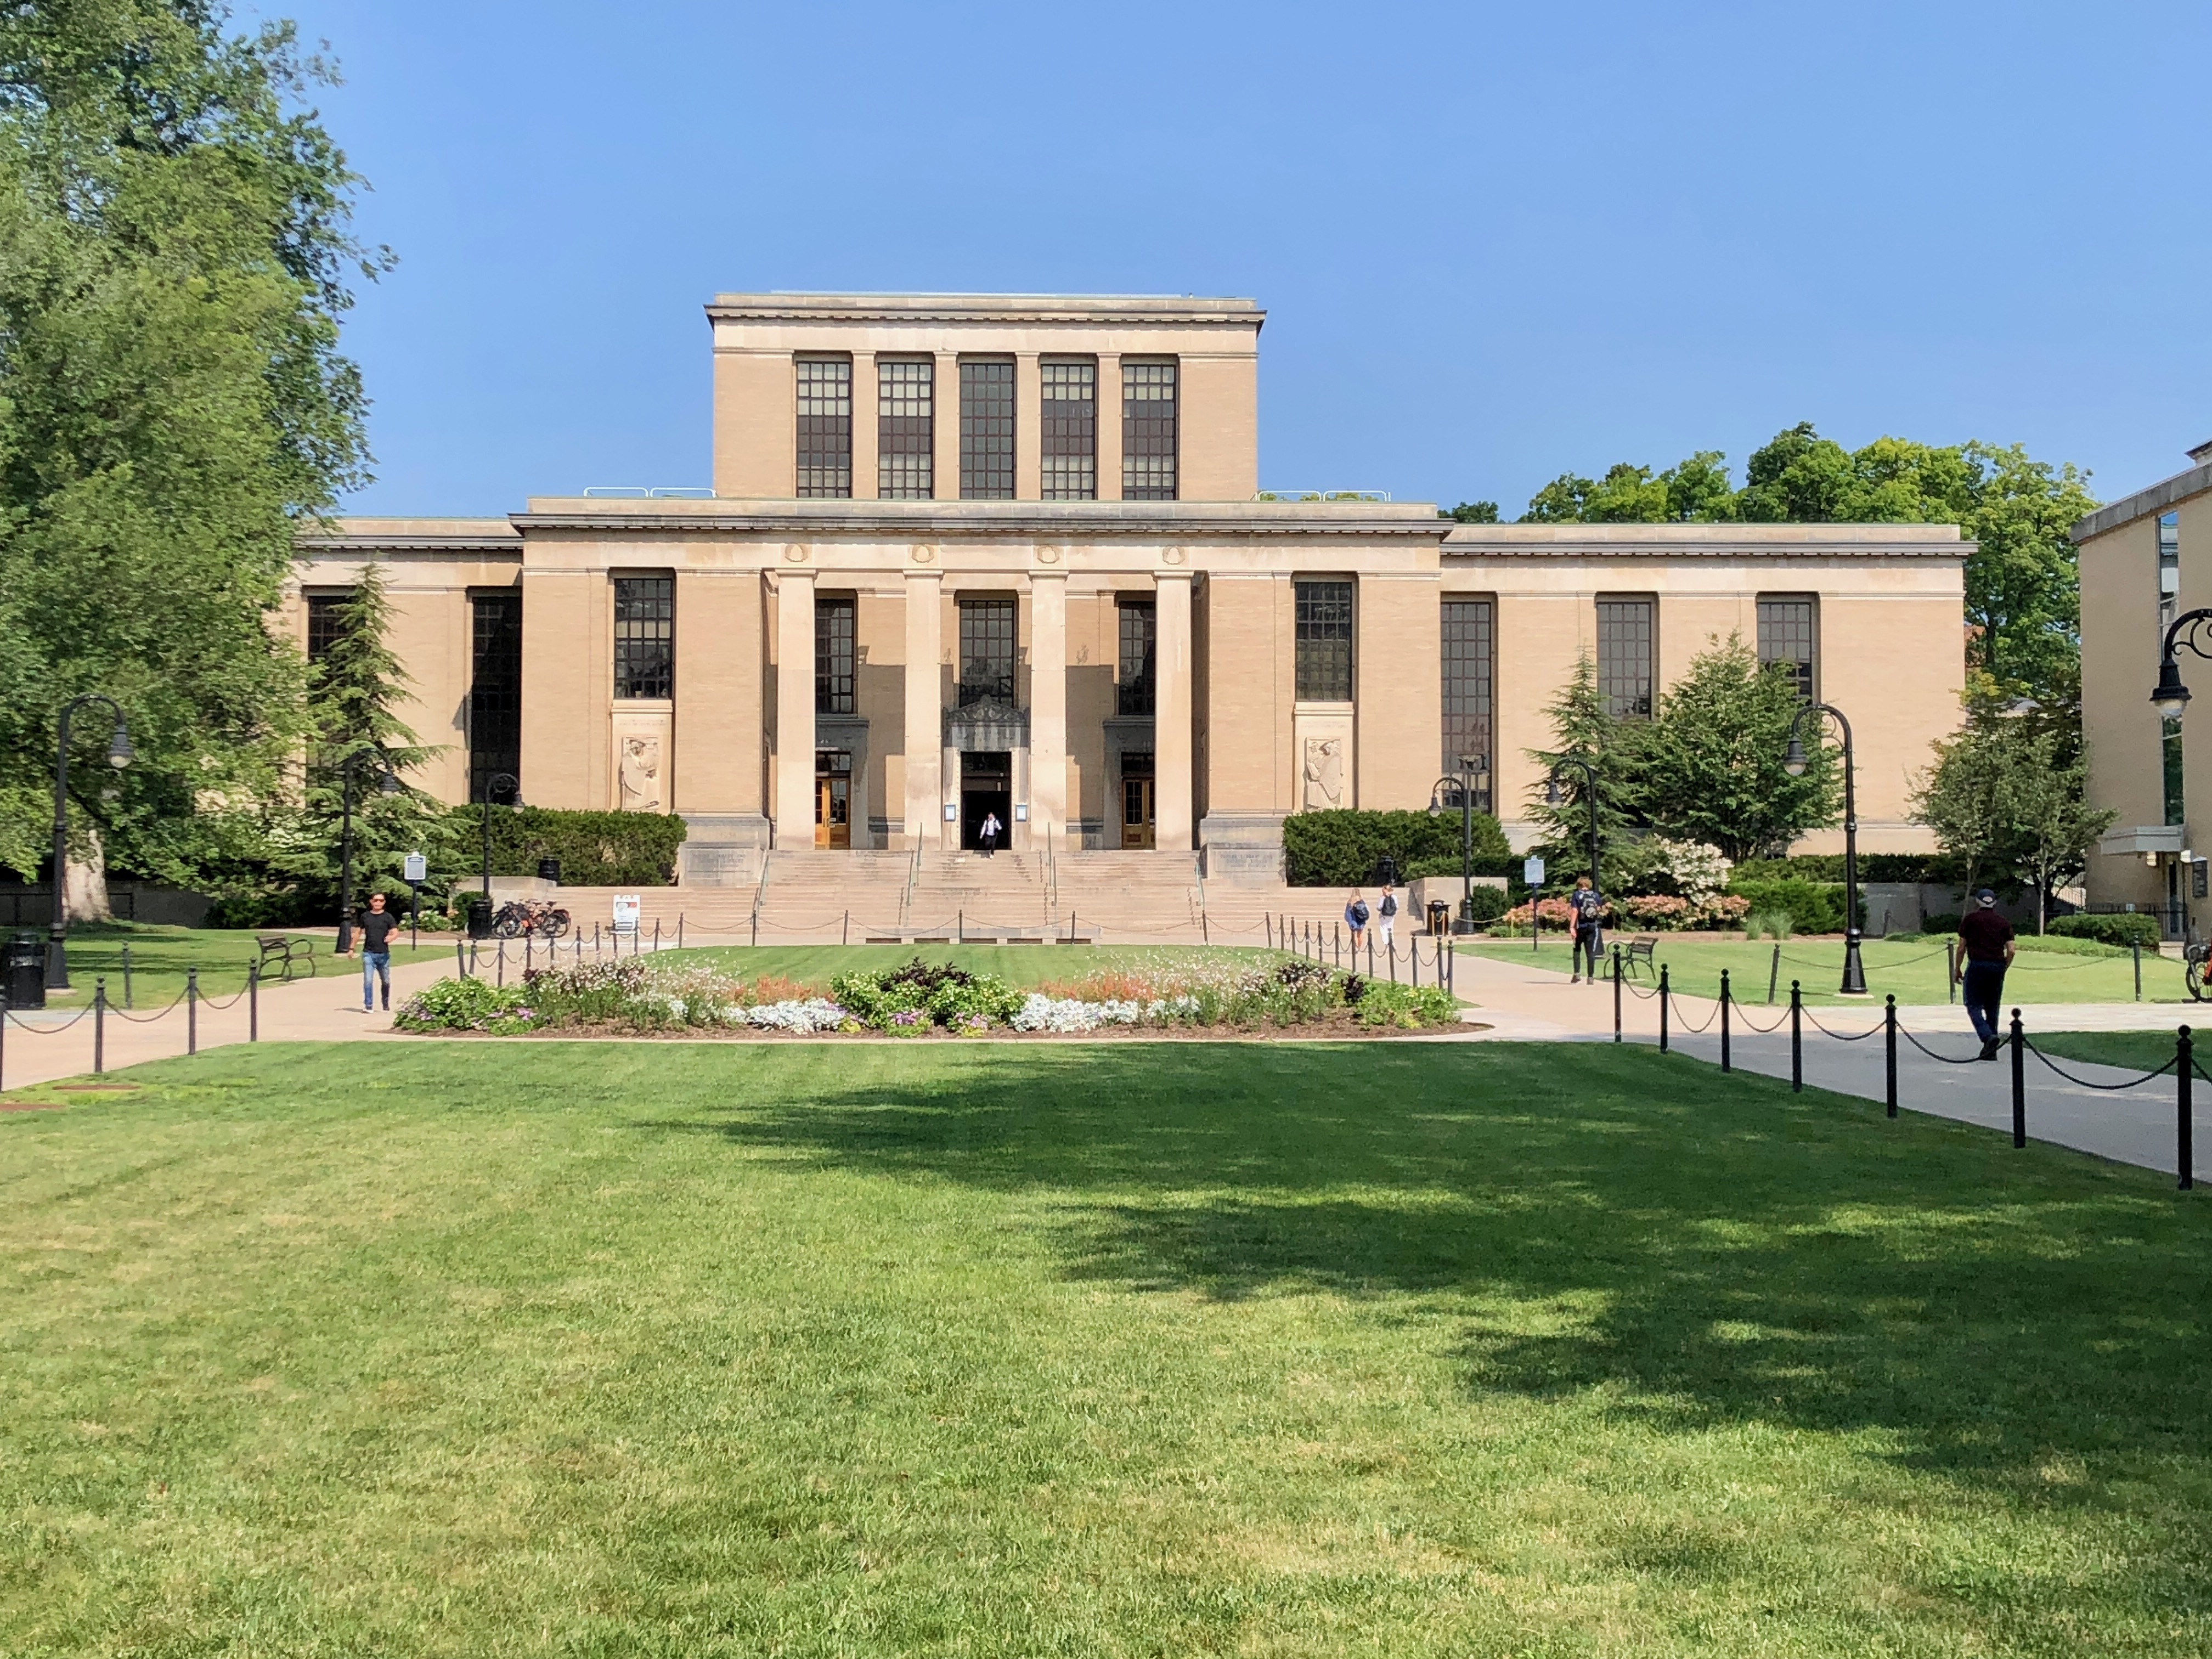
x,y
1010,554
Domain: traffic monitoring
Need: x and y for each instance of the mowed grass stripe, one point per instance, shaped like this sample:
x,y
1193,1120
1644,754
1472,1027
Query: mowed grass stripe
x,y
1297,1349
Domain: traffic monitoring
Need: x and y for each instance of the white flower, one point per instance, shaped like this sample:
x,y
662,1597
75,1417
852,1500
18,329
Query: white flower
x,y
801,1018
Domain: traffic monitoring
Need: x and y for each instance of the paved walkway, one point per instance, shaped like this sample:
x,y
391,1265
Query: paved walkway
x,y
1523,1003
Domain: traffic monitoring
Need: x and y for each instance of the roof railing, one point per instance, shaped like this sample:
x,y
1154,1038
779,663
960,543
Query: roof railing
x,y
1322,495
650,493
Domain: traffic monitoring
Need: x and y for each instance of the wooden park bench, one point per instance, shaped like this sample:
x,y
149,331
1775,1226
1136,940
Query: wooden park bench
x,y
285,957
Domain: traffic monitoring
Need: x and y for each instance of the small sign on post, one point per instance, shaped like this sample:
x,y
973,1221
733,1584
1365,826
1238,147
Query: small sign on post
x,y
418,870
626,911
1532,871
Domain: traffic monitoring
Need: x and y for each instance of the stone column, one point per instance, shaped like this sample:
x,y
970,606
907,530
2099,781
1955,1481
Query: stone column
x,y
925,710
944,428
1029,428
1109,426
864,398
794,710
1171,728
1048,795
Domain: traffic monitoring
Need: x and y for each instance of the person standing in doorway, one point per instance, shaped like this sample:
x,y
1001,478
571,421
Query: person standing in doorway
x,y
1356,918
377,927
987,836
1986,943
1588,917
1386,915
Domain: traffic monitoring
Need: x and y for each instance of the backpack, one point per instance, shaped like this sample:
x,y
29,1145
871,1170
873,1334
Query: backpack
x,y
1359,915
1390,904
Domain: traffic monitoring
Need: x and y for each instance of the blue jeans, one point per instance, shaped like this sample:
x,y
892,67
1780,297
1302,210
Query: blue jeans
x,y
375,966
1982,989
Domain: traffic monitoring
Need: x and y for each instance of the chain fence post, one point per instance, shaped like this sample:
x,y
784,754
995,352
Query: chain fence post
x,y
99,1026
2018,1082
500,972
2184,1126
3,1039
1773,973
1724,1021
126,978
1889,1047
1616,994
2135,950
1663,994
656,936
1415,953
253,1002
1796,1039
844,937
1950,971
192,1011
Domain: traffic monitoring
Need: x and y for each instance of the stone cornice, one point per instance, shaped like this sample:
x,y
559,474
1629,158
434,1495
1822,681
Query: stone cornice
x,y
2144,502
1030,521
1087,308
1705,541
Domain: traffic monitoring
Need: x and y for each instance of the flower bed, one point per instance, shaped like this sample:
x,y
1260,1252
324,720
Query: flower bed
x,y
1652,913
645,995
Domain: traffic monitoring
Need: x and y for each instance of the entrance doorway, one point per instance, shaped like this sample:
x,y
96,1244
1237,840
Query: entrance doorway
x,y
833,798
1136,799
986,787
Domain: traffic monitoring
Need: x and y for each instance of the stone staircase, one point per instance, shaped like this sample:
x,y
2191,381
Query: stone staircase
x,y
966,895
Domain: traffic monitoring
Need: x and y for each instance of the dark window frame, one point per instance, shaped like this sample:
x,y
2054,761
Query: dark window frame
x,y
1068,429
1325,611
494,688
837,652
324,626
906,429
2169,569
987,428
1152,429
1136,657
990,642
823,384
1789,628
1627,655
645,638
1467,630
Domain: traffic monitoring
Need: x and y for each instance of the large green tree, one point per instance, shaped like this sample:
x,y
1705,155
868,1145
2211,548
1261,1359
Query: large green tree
x,y
174,261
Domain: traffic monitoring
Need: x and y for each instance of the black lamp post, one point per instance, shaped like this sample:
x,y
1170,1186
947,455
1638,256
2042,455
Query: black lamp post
x,y
2171,699
387,783
1462,783
1589,794
118,755
1854,983
499,783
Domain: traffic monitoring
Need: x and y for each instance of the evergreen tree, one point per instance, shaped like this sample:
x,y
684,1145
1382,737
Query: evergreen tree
x,y
1584,729
1713,763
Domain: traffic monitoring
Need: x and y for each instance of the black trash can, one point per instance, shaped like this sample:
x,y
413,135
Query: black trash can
x,y
550,870
23,975
479,916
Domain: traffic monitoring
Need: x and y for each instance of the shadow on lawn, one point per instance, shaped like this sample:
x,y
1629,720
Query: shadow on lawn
x,y
1712,1249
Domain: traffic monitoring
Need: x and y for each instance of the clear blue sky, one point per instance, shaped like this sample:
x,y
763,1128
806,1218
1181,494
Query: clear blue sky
x,y
1496,242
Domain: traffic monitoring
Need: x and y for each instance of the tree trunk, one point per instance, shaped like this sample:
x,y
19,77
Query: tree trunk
x,y
84,889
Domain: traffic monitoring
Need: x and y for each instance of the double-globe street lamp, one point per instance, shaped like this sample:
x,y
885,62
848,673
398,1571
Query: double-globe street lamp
x,y
387,783
1474,769
119,757
505,787
2171,698
1793,763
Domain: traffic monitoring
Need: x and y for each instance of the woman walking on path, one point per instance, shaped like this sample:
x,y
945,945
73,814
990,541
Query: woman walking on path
x,y
1355,918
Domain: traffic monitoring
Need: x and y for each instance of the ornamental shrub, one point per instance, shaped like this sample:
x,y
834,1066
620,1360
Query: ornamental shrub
x,y
1385,1002
467,1004
1341,847
596,849
2124,928
1486,904
1813,907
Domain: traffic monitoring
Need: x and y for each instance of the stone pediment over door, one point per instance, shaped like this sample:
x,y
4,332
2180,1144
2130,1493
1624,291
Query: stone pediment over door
x,y
987,726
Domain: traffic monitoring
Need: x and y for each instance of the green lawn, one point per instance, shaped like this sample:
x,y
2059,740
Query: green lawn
x,y
1019,964
1284,1349
161,956
2142,1051
1912,969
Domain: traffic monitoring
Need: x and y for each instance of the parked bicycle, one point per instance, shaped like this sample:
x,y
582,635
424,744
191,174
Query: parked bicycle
x,y
2192,975
536,917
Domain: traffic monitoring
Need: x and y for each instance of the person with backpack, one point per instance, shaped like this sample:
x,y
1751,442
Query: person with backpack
x,y
1386,915
1590,931
1355,918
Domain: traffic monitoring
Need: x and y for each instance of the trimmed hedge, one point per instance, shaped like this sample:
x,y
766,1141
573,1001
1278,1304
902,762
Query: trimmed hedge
x,y
1813,907
1488,904
2124,927
596,849
1829,866
1341,848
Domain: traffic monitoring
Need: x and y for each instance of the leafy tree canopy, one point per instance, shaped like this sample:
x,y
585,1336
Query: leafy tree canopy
x,y
174,258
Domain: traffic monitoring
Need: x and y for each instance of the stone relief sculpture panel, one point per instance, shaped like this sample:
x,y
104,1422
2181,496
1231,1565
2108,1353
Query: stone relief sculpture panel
x,y
640,775
1324,773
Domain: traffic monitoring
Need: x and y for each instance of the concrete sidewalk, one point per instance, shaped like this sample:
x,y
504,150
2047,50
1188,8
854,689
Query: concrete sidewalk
x,y
2139,1125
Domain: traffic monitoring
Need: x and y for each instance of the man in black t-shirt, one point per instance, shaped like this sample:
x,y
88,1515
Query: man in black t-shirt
x,y
377,927
1986,949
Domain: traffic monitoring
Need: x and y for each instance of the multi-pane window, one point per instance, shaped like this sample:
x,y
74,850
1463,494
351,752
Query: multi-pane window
x,y
1786,635
1148,432
986,430
2169,568
1624,657
1324,641
834,655
987,651
906,429
645,636
2169,735
825,426
495,690
1470,659
325,623
1068,430
1140,632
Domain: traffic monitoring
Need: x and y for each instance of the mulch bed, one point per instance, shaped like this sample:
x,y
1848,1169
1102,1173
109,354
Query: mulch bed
x,y
1336,1029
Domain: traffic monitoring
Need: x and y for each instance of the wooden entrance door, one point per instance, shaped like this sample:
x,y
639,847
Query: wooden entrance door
x,y
833,798
1136,798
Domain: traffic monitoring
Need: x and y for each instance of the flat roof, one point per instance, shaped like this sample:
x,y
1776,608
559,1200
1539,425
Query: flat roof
x,y
995,307
1708,541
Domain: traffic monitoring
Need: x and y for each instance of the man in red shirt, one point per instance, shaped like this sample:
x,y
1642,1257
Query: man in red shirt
x,y
1986,937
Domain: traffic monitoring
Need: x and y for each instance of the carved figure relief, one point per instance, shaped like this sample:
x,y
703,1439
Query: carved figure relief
x,y
641,775
1324,773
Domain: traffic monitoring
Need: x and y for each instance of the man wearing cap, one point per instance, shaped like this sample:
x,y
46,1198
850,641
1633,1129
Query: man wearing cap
x,y
1986,937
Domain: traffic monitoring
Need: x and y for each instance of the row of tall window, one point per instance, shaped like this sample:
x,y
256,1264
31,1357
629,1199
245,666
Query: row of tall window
x,y
2169,606
989,624
906,429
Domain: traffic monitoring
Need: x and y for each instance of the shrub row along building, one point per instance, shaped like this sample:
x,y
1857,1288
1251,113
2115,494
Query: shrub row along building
x,y
967,555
